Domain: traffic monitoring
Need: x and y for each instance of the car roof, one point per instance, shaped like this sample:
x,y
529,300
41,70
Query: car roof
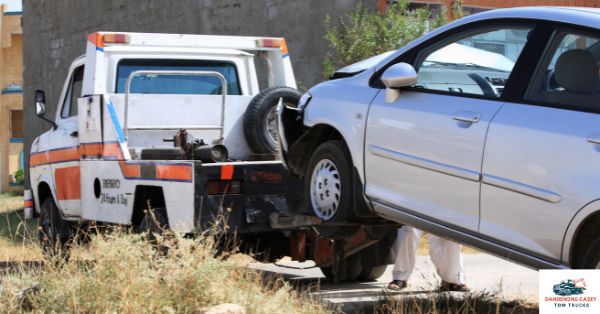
x,y
589,17
573,15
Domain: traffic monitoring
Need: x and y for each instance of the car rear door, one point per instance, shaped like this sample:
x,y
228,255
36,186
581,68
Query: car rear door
x,y
542,157
424,151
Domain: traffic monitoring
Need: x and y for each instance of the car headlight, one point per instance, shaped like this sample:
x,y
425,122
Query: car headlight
x,y
304,100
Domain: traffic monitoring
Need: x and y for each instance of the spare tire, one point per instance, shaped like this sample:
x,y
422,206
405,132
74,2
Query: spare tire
x,y
260,119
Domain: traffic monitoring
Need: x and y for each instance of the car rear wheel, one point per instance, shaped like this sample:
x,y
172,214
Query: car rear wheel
x,y
329,189
591,259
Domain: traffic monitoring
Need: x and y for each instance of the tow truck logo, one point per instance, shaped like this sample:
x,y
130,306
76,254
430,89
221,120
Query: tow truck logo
x,y
568,287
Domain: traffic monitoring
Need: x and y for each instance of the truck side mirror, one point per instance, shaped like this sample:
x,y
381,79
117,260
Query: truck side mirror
x,y
398,75
40,107
40,103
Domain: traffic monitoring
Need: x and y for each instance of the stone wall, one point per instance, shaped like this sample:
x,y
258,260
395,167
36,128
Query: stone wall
x,y
55,33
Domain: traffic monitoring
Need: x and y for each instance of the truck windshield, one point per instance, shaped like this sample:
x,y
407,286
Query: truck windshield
x,y
177,84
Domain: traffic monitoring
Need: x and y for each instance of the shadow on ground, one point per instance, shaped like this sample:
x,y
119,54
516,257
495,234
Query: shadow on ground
x,y
372,297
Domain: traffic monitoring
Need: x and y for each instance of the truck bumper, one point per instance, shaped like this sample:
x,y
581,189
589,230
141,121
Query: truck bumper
x,y
28,208
244,195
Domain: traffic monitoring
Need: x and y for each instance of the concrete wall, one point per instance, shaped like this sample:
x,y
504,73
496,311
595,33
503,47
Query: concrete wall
x,y
55,33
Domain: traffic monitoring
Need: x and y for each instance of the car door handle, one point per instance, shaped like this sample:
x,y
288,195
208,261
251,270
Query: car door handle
x,y
74,134
466,116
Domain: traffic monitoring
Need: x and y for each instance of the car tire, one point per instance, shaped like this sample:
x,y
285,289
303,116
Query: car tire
x,y
328,187
54,233
260,119
591,259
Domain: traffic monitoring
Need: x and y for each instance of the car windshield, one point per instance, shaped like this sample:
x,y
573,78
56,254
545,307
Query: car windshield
x,y
365,64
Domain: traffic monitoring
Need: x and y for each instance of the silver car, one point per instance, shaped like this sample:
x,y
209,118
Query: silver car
x,y
486,131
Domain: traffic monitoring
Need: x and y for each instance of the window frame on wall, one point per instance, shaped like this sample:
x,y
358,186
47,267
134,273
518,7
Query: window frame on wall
x,y
12,122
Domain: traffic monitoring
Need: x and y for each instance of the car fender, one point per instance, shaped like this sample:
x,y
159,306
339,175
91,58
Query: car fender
x,y
344,111
579,218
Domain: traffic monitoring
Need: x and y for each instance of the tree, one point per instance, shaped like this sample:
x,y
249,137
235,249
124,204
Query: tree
x,y
363,34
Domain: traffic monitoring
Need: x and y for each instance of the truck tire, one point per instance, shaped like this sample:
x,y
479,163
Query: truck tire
x,y
351,272
155,224
54,233
371,273
328,187
260,119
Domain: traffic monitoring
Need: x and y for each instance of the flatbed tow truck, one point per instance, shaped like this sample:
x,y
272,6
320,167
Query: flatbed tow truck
x,y
173,130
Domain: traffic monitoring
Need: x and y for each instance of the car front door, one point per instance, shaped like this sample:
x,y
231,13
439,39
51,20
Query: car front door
x,y
542,156
423,152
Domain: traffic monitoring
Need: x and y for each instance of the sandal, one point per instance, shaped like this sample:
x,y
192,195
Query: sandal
x,y
447,286
397,285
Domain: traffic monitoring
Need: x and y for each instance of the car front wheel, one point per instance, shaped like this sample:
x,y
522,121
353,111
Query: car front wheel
x,y
329,189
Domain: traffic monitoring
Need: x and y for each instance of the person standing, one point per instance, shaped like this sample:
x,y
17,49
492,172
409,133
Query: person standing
x,y
444,254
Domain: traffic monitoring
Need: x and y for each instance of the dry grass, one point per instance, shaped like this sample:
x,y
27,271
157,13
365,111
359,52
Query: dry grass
x,y
124,274
479,303
17,236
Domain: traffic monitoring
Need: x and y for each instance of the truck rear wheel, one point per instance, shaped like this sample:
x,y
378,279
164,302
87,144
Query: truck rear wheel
x,y
371,273
54,233
329,189
154,224
260,119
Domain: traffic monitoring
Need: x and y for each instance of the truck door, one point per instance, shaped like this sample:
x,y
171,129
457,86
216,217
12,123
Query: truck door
x,y
64,150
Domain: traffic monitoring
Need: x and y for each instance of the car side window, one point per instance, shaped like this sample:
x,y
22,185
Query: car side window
x,y
477,63
569,73
69,107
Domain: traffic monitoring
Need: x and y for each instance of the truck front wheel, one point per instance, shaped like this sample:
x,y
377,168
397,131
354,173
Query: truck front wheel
x,y
54,233
329,189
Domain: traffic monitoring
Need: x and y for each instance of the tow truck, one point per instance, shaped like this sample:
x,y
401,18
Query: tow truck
x,y
172,131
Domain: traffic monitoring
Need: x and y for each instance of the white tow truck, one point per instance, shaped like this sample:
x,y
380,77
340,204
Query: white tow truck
x,y
174,129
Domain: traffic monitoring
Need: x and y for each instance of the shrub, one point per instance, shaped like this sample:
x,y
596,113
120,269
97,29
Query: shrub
x,y
363,34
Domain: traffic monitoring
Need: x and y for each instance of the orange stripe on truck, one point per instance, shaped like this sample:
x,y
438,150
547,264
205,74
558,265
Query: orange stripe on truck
x,y
28,203
174,172
226,172
68,186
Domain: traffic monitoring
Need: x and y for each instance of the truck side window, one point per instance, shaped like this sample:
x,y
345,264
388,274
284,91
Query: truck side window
x,y
69,107
173,84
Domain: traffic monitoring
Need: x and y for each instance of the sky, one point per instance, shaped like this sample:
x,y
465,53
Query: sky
x,y
13,5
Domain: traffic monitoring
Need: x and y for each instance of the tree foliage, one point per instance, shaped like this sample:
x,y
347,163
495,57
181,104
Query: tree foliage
x,y
363,33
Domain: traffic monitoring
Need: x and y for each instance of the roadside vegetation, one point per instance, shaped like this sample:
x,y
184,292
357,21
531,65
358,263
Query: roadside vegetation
x,y
364,33
121,272
17,236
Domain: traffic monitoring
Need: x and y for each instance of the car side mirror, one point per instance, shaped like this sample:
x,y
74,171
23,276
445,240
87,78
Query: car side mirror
x,y
40,107
396,76
40,103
